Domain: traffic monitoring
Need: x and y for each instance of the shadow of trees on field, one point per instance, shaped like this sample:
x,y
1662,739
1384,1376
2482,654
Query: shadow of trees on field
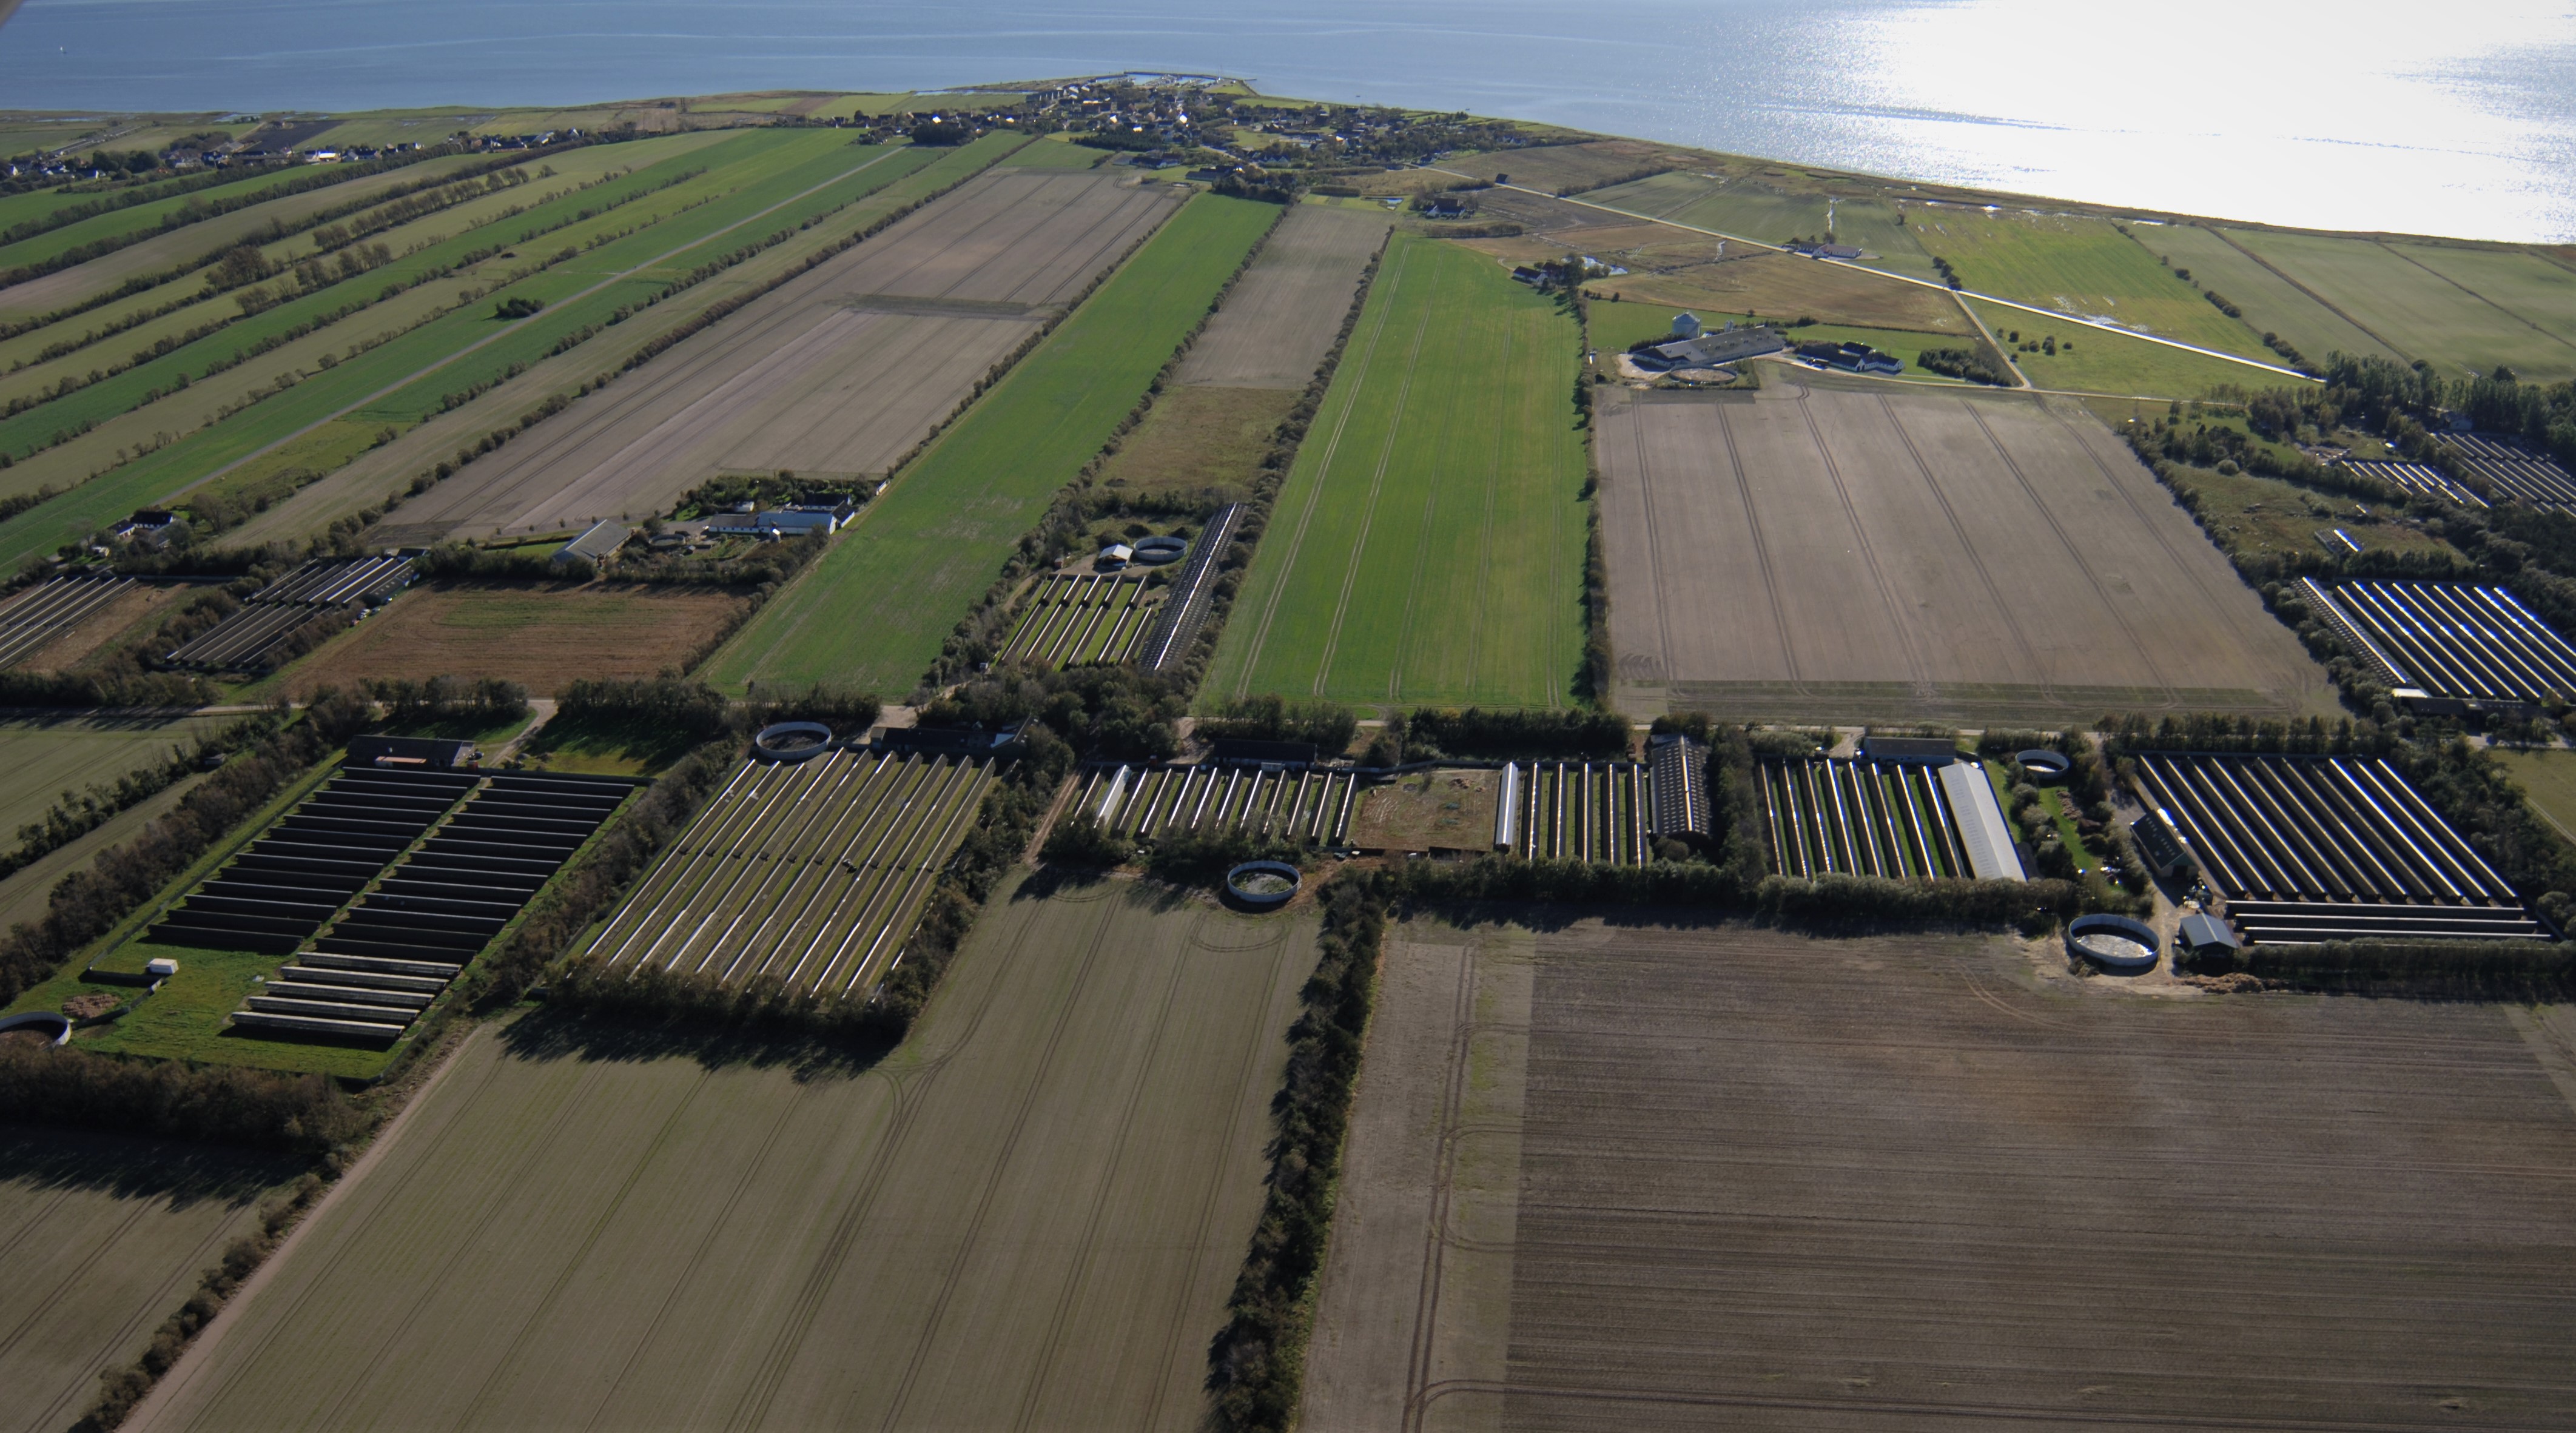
x,y
585,1035
138,1167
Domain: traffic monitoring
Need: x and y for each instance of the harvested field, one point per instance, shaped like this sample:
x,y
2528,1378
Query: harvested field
x,y
1281,317
809,874
106,1238
1651,1178
542,636
1204,443
839,372
1428,544
1029,1215
1817,550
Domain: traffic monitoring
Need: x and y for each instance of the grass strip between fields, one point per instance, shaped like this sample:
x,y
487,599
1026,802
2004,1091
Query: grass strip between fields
x,y
873,613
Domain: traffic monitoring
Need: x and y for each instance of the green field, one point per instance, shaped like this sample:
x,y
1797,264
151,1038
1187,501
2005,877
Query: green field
x,y
2083,267
1771,216
2433,301
49,756
1428,546
873,612
144,218
406,379
1027,1216
2548,779
2102,361
2272,303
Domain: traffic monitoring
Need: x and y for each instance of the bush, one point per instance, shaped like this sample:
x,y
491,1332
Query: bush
x,y
215,1104
1080,840
1329,725
517,306
1431,734
664,702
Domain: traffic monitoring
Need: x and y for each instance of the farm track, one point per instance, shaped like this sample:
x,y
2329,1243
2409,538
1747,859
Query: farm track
x,y
645,1240
2022,1201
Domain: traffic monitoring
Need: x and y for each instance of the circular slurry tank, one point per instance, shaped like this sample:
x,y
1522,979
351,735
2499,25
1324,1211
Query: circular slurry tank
x,y
1155,551
2114,942
52,1028
1263,885
792,741
2042,763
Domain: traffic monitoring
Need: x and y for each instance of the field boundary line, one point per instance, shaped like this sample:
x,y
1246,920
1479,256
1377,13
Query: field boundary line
x,y
1453,1096
2473,293
1844,1409
1323,470
1377,484
498,334
2320,300
1909,279
1654,559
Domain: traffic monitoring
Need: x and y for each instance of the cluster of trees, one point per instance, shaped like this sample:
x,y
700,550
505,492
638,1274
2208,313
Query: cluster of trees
x,y
87,904
518,306
2124,733
1106,713
724,492
80,812
2524,969
476,705
463,561
1329,725
216,1104
1971,364
1256,1364
1430,734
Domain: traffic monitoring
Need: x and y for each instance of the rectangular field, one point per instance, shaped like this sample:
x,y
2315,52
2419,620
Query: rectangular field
x,y
109,1235
872,613
48,756
808,874
1281,317
1428,545
1817,550
1029,1215
540,637
2406,296
838,373
1642,1178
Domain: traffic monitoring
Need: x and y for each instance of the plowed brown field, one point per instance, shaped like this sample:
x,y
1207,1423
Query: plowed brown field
x,y
539,635
837,373
1825,550
1653,1178
1027,1217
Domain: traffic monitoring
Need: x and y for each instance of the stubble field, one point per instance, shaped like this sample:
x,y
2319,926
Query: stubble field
x,y
1027,1217
1281,318
1645,1178
1825,551
105,1237
836,374
1428,545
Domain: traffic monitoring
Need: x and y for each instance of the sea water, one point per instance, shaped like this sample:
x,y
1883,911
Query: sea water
x,y
2354,115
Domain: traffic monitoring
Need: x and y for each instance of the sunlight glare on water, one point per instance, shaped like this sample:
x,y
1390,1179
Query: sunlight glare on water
x,y
2361,114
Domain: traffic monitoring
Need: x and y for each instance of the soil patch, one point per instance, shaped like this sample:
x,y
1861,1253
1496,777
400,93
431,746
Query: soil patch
x,y
542,636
